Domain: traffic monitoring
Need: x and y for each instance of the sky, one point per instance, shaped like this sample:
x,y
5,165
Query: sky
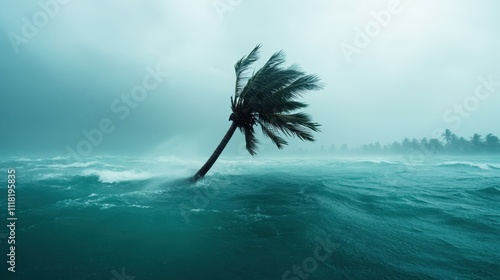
x,y
155,77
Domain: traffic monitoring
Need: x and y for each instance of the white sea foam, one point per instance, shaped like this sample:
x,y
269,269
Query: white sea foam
x,y
484,166
110,176
140,206
376,161
76,164
27,159
49,176
59,158
495,166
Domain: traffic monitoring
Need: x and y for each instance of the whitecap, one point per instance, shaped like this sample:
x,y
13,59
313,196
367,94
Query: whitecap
x,y
75,164
110,176
483,166
84,203
27,159
379,161
140,206
59,158
49,176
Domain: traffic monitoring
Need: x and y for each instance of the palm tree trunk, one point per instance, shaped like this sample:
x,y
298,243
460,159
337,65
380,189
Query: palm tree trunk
x,y
215,155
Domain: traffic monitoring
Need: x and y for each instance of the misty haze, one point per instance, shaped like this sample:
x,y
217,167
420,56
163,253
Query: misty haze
x,y
233,139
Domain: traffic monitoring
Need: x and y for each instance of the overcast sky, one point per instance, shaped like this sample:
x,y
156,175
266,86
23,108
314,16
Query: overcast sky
x,y
391,69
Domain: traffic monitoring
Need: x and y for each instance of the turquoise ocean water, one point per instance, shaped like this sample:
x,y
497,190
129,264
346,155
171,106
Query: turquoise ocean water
x,y
127,218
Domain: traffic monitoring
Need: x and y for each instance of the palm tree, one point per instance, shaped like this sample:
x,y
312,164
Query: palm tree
x,y
267,98
492,142
406,145
476,142
447,136
461,144
435,145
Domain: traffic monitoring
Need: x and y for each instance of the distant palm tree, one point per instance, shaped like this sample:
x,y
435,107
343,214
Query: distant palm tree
x,y
447,136
461,144
267,98
476,141
424,142
492,142
435,145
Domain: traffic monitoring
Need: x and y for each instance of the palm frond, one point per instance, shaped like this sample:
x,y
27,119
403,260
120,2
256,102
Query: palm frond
x,y
273,85
265,74
251,140
299,125
233,104
269,99
267,84
274,107
301,85
273,135
241,68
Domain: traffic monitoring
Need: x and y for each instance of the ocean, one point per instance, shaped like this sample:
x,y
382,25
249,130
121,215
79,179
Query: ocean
x,y
124,218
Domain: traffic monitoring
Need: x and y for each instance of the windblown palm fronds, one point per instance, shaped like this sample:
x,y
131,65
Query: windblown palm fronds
x,y
268,98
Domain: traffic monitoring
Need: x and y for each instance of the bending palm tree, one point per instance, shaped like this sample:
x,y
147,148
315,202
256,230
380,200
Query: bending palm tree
x,y
267,99
447,136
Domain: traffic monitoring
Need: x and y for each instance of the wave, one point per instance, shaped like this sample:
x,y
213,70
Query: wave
x,y
29,159
22,159
490,191
110,176
76,164
484,166
84,203
104,201
50,176
60,158
375,161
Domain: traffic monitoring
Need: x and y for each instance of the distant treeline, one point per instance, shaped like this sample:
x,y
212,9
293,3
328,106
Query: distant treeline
x,y
450,144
